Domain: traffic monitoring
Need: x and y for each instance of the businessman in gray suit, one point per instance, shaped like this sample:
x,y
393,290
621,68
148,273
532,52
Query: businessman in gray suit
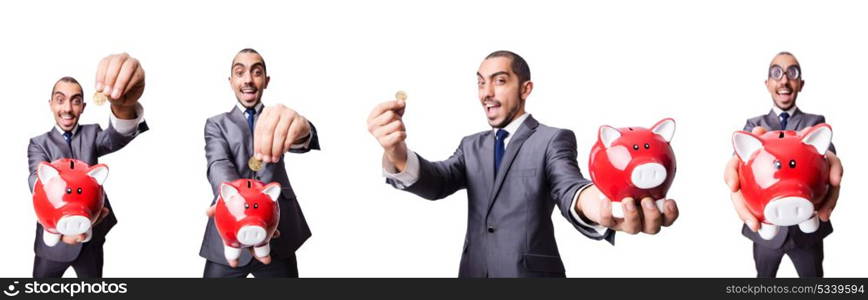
x,y
514,174
805,250
122,79
231,138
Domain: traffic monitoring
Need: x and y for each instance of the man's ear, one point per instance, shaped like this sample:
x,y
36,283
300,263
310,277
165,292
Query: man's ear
x,y
525,89
801,86
267,80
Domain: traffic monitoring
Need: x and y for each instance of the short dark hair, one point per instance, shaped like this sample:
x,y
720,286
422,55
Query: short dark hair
x,y
251,50
67,79
519,65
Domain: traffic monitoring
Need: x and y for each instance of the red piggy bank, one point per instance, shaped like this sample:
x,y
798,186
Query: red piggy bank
x,y
783,175
246,215
68,197
633,162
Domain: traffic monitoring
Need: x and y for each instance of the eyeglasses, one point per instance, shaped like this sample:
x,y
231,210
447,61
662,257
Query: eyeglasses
x,y
793,72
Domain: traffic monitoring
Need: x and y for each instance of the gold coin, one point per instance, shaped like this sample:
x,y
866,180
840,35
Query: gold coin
x,y
99,98
254,164
401,95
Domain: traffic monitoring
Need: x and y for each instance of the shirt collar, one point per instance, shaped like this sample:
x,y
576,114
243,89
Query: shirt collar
x,y
258,108
512,127
778,110
61,131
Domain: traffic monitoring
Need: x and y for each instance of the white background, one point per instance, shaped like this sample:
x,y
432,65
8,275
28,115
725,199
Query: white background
x,y
618,63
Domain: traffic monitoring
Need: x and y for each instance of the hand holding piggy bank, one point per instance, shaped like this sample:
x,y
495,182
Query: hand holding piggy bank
x,y
633,162
246,215
68,198
784,176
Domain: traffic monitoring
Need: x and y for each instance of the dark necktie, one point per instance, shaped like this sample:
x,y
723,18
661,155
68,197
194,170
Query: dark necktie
x,y
499,148
784,117
251,114
67,136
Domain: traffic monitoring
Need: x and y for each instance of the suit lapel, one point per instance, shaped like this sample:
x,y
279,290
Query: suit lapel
x,y
58,140
524,132
796,119
237,117
488,164
773,121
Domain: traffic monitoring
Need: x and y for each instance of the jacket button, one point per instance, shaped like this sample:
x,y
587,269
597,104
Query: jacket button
x,y
490,228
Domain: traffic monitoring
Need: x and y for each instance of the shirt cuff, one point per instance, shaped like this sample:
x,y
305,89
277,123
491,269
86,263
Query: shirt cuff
x,y
128,127
410,174
306,143
601,230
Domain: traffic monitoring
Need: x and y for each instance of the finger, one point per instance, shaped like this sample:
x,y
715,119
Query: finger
x,y
111,73
263,134
385,106
281,132
383,119
125,74
730,174
233,263
670,212
71,239
652,218
103,213
138,80
401,106
265,259
210,211
743,212
632,220
100,73
276,234
384,130
759,130
825,211
604,213
393,139
836,170
295,132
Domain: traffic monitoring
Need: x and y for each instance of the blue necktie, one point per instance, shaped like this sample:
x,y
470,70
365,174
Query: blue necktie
x,y
499,148
784,117
68,137
251,114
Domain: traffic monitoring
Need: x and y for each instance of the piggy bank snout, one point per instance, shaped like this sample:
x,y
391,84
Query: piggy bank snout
x,y
648,175
251,235
788,211
73,225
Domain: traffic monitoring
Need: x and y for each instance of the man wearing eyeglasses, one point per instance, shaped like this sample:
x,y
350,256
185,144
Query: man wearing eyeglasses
x,y
805,250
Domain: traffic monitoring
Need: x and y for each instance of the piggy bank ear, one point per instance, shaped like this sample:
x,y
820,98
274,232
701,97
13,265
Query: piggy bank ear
x,y
820,137
272,190
665,128
745,144
608,135
46,172
98,173
227,191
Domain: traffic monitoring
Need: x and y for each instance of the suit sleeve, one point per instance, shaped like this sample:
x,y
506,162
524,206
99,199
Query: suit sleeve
x,y
312,142
221,166
438,179
565,179
35,155
749,125
113,139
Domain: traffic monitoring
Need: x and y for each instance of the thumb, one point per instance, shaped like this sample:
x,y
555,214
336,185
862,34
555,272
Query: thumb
x,y
210,211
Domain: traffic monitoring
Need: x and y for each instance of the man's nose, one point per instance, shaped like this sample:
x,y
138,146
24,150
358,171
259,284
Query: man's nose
x,y
488,91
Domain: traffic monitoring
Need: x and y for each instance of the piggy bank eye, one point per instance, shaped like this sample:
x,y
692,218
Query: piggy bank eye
x,y
78,191
778,164
647,146
635,147
246,206
792,163
69,190
255,205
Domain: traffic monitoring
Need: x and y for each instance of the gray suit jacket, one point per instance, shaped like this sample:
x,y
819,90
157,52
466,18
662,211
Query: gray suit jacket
x,y
89,142
509,224
798,121
228,146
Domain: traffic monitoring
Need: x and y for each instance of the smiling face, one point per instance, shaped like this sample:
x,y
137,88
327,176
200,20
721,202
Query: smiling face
x,y
248,78
67,104
784,90
501,94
